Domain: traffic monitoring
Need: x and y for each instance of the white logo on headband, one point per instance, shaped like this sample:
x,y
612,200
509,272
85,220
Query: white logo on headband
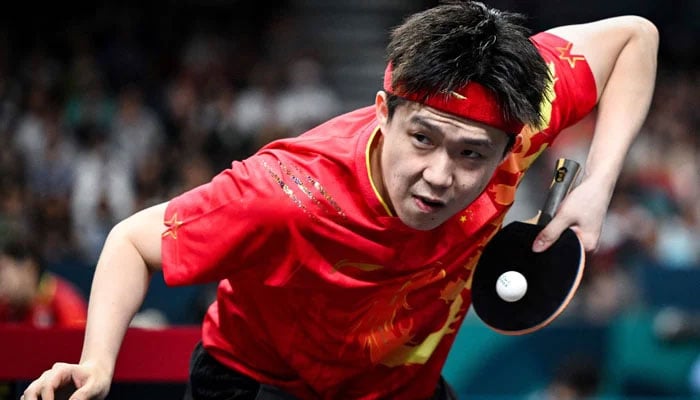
x,y
458,96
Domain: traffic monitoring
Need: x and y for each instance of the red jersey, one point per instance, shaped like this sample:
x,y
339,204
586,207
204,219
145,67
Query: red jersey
x,y
322,292
58,304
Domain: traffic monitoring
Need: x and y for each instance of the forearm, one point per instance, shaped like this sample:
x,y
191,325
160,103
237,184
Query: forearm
x,y
623,106
118,288
130,255
621,53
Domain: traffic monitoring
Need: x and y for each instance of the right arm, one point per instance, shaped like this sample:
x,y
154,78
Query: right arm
x,y
622,54
130,256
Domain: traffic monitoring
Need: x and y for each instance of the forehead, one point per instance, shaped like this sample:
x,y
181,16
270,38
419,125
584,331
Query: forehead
x,y
412,113
6,262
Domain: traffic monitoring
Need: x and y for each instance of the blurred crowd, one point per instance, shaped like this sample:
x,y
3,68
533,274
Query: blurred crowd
x,y
105,129
97,125
93,136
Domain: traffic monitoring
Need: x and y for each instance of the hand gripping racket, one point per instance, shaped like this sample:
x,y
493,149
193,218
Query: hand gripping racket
x,y
552,276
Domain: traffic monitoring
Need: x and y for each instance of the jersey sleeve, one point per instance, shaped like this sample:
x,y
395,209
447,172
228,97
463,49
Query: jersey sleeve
x,y
229,225
573,91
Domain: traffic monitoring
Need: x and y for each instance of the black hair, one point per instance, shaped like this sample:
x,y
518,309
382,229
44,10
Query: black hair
x,y
441,49
22,249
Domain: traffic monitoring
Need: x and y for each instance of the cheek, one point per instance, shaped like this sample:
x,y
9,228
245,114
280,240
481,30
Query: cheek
x,y
481,185
471,186
392,166
403,173
10,283
394,184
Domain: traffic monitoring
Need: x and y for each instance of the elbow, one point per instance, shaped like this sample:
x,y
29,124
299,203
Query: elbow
x,y
643,30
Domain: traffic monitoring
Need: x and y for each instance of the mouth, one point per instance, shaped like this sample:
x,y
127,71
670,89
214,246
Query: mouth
x,y
428,204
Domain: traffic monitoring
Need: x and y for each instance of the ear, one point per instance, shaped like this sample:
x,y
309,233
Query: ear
x,y
382,109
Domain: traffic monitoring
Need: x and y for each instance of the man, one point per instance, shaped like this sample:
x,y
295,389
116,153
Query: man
x,y
32,296
344,255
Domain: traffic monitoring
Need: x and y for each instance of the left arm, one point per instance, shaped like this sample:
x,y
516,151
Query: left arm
x,y
622,54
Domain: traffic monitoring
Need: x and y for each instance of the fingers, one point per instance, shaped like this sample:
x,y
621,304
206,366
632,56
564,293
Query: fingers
x,y
59,383
553,230
45,386
549,234
83,394
589,241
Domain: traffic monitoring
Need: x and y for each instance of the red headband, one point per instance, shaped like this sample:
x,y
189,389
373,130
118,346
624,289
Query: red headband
x,y
472,101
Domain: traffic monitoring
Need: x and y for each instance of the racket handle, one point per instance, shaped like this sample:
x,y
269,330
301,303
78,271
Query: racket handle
x,y
565,175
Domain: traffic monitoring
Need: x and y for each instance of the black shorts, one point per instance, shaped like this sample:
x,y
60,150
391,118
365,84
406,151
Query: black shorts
x,y
210,380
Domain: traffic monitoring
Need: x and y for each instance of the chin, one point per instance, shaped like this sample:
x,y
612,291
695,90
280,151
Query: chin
x,y
422,225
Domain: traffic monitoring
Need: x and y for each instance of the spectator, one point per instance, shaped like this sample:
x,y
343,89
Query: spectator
x,y
254,113
136,131
103,192
32,296
307,100
576,378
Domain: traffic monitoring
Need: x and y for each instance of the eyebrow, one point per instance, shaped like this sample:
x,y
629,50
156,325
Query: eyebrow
x,y
484,142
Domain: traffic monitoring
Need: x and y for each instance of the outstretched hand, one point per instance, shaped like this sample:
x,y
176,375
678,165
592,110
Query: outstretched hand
x,y
69,381
583,211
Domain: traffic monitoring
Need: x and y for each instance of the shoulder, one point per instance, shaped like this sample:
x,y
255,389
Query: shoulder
x,y
572,92
333,136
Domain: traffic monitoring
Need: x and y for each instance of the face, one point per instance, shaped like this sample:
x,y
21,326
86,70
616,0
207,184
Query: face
x,y
18,281
429,165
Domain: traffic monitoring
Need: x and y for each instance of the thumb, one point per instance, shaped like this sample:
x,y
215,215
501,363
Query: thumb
x,y
82,394
549,234
86,392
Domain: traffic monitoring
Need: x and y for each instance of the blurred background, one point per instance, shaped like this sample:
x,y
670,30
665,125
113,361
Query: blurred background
x,y
108,109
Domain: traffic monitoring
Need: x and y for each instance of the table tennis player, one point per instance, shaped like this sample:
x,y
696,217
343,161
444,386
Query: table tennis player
x,y
344,255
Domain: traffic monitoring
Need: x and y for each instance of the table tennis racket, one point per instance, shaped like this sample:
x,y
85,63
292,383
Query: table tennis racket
x,y
552,276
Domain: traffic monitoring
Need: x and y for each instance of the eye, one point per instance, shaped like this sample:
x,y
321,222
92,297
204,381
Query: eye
x,y
421,140
467,153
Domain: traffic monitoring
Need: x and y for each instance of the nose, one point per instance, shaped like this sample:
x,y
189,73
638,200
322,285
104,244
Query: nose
x,y
439,171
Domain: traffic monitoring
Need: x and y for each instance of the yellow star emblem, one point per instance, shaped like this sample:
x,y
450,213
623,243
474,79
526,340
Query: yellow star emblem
x,y
466,216
173,224
565,54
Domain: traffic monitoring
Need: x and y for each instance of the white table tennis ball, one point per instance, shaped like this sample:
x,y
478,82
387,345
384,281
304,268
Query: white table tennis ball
x,y
511,286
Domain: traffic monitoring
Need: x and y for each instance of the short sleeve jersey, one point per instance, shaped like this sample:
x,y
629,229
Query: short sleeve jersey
x,y
321,292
